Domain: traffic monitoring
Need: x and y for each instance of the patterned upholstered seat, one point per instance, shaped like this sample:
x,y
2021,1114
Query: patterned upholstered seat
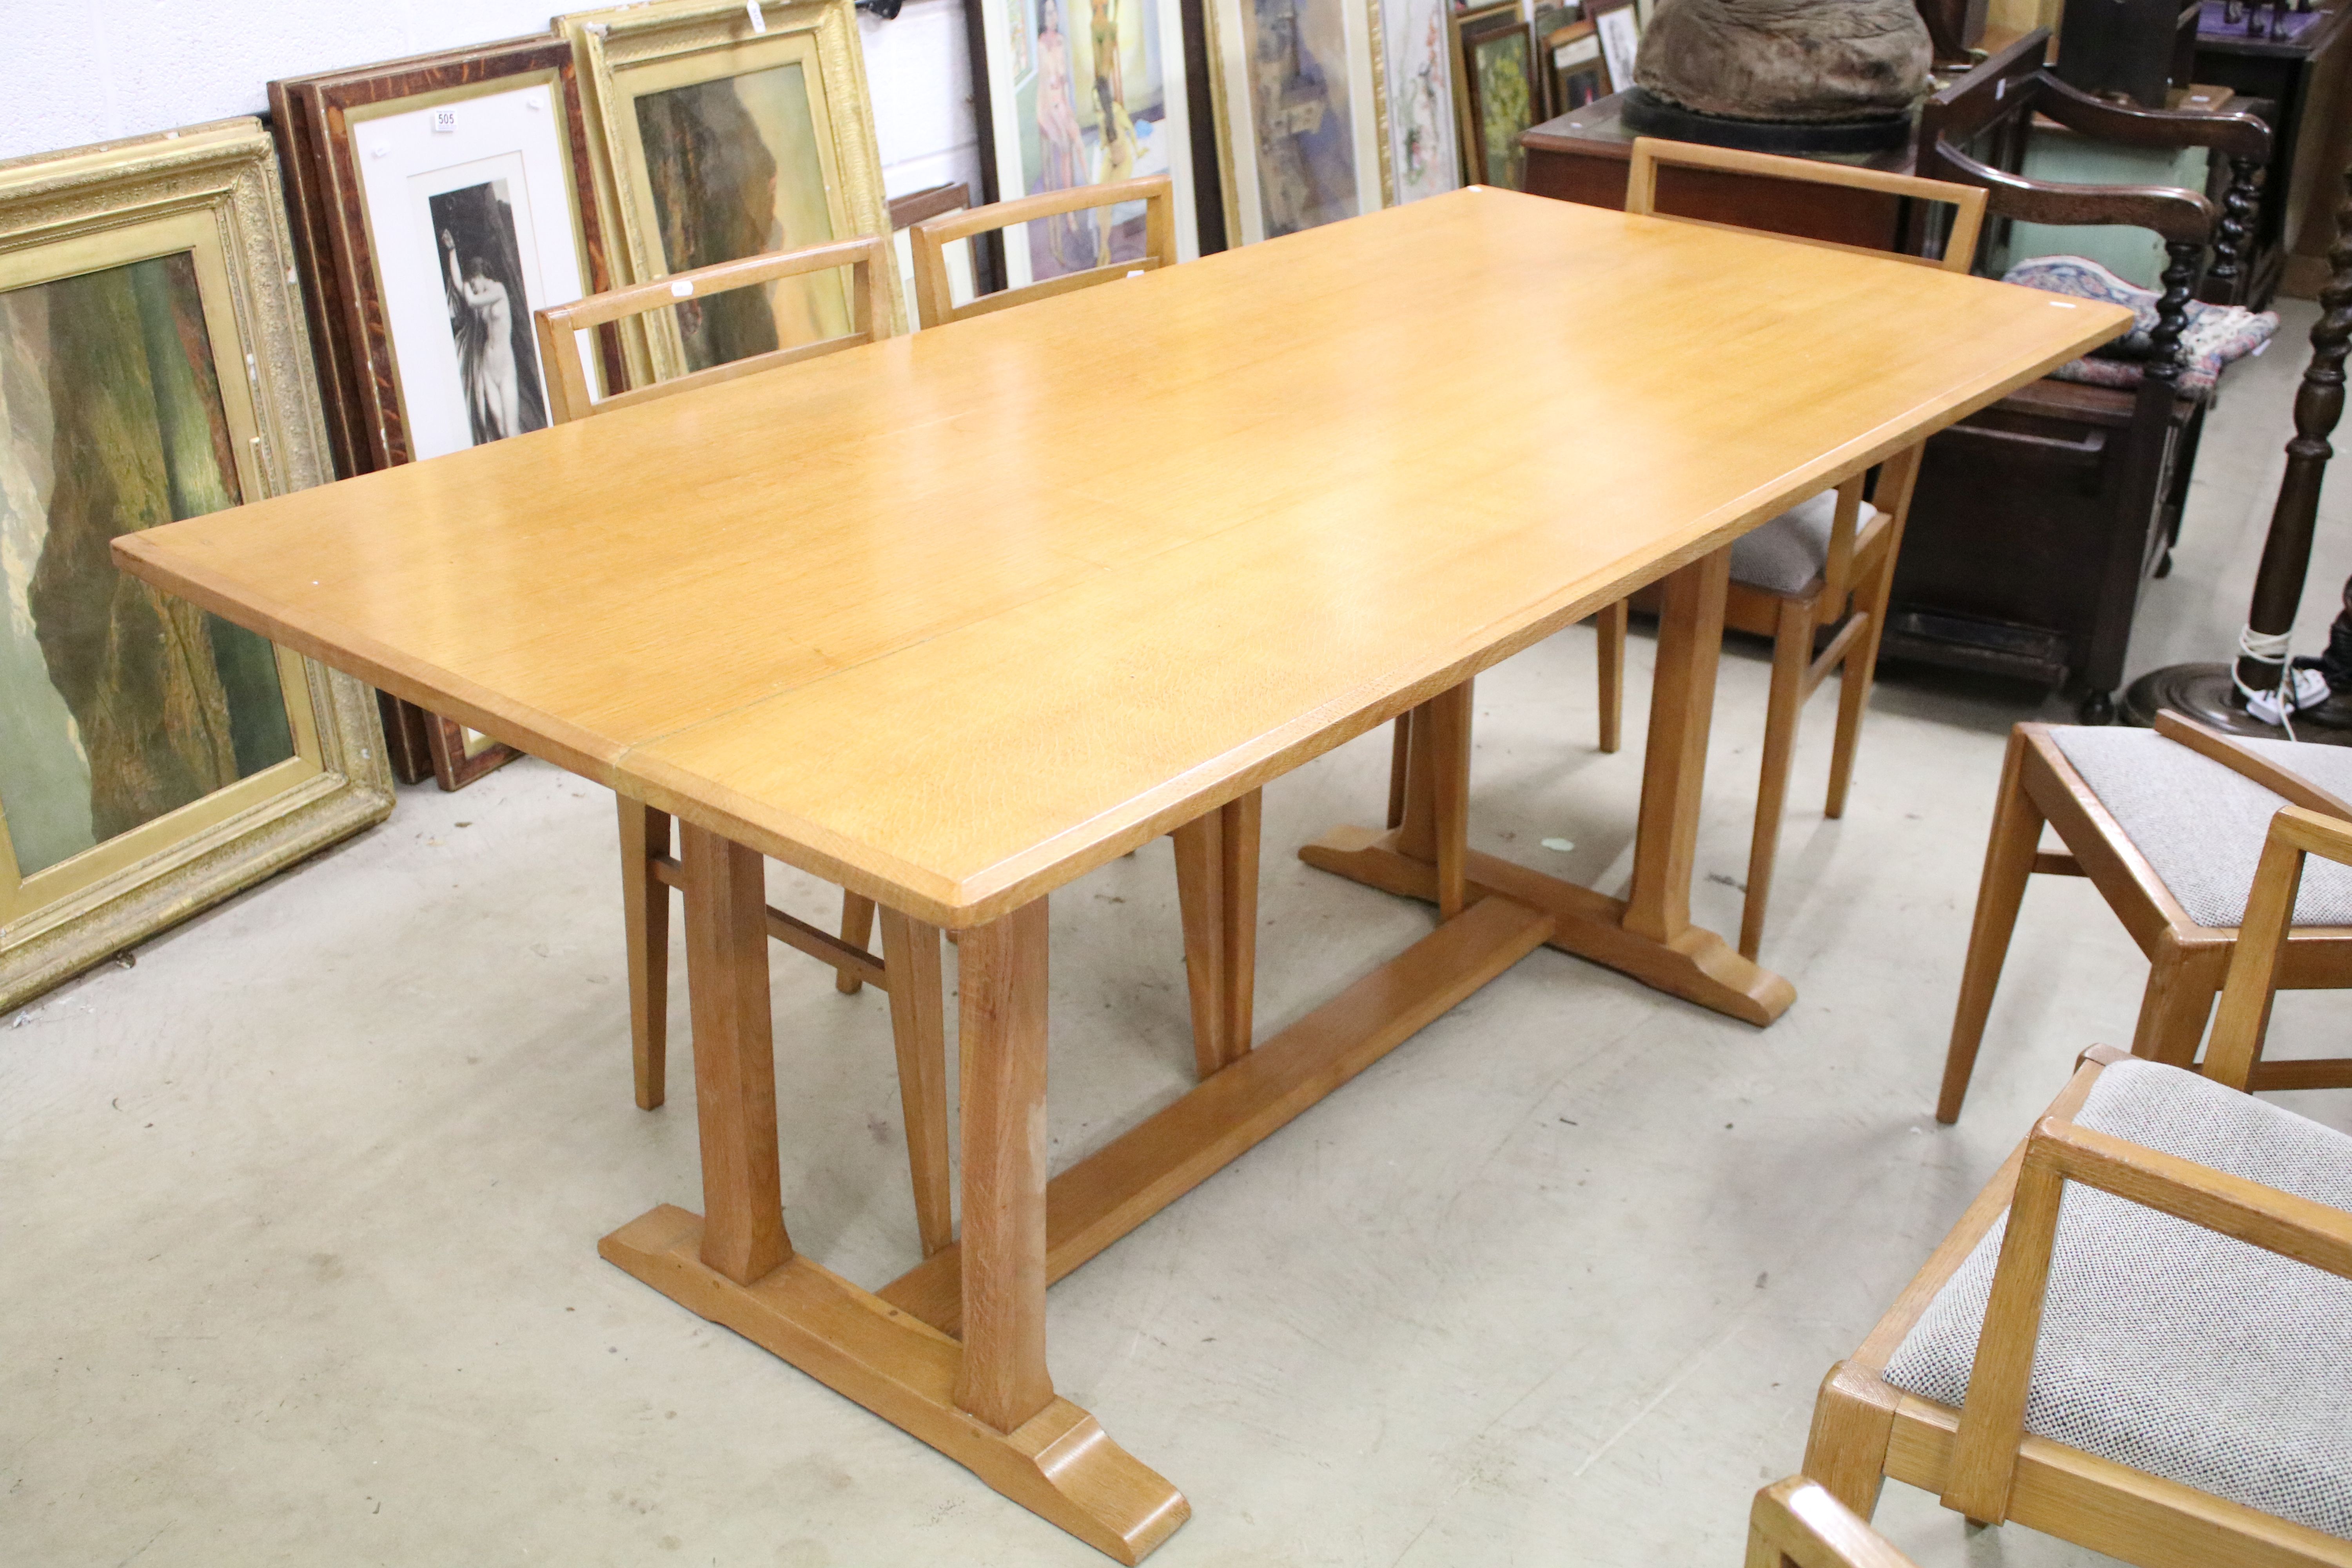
x,y
2200,825
2168,1347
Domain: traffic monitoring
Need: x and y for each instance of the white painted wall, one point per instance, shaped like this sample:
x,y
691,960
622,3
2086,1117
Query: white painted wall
x,y
76,71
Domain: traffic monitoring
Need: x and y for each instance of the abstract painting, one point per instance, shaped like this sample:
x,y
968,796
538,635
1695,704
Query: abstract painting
x,y
117,705
1420,99
489,311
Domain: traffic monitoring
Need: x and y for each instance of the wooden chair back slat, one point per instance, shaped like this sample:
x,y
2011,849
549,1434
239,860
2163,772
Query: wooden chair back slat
x,y
570,397
1968,203
935,304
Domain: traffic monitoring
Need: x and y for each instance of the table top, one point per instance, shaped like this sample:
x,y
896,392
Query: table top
x,y
952,618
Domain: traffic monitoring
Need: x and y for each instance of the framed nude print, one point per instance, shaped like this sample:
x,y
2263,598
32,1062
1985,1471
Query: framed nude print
x,y
1302,112
1425,159
1082,92
1497,51
438,202
721,131
153,758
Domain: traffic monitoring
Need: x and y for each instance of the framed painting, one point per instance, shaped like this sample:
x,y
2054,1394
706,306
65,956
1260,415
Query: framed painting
x,y
437,203
153,758
1496,54
1081,92
1425,159
724,129
1619,26
1577,66
1302,113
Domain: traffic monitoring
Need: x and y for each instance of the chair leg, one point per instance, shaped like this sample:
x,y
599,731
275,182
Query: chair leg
x,y
644,916
857,931
1400,751
1860,667
2173,1009
1609,624
910,954
1853,1425
2009,861
1792,649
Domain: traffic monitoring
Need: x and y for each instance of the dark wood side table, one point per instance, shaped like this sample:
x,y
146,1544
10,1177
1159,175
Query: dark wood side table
x,y
1581,157
2309,78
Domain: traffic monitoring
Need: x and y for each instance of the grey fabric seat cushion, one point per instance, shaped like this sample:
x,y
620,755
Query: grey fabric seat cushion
x,y
2202,826
1784,555
2165,1346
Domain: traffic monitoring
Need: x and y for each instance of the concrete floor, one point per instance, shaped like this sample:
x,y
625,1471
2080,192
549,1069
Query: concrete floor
x,y
298,1260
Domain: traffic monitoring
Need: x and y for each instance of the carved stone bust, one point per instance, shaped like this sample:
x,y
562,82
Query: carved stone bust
x,y
1787,60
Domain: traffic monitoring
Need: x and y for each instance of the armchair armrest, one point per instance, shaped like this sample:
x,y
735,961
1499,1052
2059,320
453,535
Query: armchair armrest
x,y
2244,1014
2237,136
1992,1422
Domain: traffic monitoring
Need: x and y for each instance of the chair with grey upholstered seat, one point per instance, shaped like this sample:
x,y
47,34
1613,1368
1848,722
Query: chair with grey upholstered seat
x,y
2168,825
2139,1336
1816,578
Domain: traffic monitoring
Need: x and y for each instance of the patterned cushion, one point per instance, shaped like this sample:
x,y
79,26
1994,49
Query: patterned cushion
x,y
2165,1346
2202,826
2214,337
1784,555
2216,334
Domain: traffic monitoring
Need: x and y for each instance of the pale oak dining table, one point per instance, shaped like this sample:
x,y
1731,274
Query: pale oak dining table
x,y
951,619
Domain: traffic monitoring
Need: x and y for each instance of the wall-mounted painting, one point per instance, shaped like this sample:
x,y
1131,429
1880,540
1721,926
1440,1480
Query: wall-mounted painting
x,y
721,131
437,203
1425,159
1302,112
1082,92
1497,55
153,758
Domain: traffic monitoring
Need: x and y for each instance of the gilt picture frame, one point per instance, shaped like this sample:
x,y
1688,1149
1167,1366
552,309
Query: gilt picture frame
x,y
714,136
1302,113
153,760
1084,93
400,177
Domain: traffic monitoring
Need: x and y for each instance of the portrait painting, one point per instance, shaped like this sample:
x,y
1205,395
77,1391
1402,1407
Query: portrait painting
x,y
733,170
1501,97
1094,92
117,704
489,311
722,131
153,758
1421,98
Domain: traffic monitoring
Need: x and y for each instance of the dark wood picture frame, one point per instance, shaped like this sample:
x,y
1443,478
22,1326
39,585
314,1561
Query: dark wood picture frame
x,y
343,297
1585,79
1475,32
1598,13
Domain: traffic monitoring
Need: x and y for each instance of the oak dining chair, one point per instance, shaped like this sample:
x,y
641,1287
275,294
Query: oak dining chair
x,y
2168,824
934,296
908,966
2138,1338
1814,579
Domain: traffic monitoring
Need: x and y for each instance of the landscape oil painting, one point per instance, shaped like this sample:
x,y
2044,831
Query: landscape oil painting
x,y
734,169
117,704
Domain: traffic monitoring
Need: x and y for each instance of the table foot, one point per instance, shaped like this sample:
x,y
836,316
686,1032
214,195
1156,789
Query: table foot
x,y
1694,964
1059,1465
1158,1161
